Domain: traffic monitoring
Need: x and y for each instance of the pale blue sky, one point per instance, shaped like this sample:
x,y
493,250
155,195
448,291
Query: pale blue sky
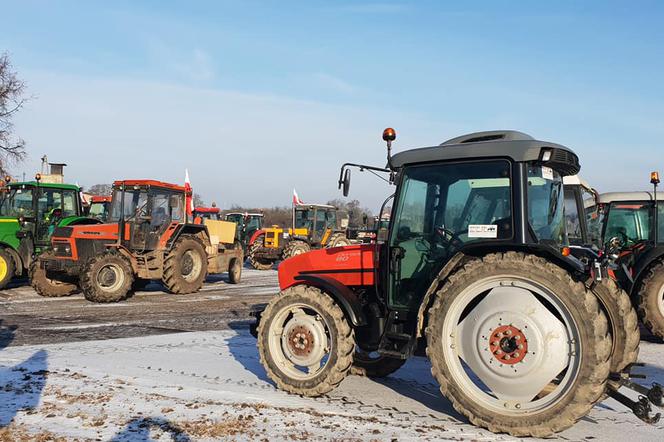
x,y
256,98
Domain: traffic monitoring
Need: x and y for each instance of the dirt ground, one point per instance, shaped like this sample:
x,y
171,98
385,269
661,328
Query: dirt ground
x,y
36,320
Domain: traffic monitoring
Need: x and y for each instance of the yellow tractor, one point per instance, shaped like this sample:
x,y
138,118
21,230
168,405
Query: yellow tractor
x,y
314,226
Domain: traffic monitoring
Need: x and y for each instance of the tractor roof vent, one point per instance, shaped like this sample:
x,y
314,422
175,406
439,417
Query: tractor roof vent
x,y
493,135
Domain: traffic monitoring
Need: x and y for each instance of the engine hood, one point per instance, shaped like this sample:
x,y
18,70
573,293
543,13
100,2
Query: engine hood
x,y
350,265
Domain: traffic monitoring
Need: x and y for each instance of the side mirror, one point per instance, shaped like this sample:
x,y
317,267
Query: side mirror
x,y
346,182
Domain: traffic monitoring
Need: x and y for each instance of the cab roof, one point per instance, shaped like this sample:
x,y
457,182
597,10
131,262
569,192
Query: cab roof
x,y
308,206
610,197
518,146
49,185
244,214
149,183
101,199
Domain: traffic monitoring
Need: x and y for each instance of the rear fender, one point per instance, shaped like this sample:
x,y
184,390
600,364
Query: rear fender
x,y
78,221
255,235
342,295
176,230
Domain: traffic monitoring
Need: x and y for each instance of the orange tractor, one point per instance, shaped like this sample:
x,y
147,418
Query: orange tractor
x,y
100,207
149,236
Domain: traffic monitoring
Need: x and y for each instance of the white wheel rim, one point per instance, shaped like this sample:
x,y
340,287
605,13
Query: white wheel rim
x,y
299,341
191,265
511,380
660,300
298,251
110,277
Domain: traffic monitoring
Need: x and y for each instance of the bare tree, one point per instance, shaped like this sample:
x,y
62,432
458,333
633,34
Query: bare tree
x,y
198,200
100,189
12,149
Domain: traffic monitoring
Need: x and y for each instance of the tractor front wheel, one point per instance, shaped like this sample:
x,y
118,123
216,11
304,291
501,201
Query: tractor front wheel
x,y
7,268
517,346
47,287
258,263
107,278
650,300
185,266
305,341
294,248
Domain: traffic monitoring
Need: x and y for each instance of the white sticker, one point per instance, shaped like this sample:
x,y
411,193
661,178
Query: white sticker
x,y
482,231
547,173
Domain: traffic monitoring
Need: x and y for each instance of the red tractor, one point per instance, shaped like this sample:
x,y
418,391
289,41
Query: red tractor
x,y
203,213
100,207
473,272
149,237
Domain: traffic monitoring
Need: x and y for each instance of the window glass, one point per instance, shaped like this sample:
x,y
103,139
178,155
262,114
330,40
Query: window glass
x,y
546,212
628,221
573,223
160,213
17,202
177,211
69,203
440,208
254,223
303,218
135,204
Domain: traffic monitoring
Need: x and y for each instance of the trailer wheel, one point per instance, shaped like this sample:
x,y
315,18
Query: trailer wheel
x,y
623,322
107,278
337,240
7,268
374,365
235,271
650,300
258,263
47,287
305,342
294,248
185,266
517,346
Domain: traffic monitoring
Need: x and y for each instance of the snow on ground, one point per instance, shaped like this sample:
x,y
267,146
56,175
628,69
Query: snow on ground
x,y
211,386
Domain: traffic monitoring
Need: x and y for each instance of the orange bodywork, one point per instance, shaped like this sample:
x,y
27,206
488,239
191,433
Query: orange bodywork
x,y
107,232
153,183
350,265
101,199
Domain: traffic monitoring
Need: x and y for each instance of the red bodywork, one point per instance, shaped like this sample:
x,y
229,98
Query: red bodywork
x,y
153,183
207,209
350,265
255,235
108,232
101,199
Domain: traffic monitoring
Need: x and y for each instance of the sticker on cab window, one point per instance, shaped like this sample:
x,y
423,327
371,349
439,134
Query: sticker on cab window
x,y
547,173
482,231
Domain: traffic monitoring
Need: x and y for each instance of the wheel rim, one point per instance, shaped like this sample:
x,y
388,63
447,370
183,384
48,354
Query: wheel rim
x,y
110,277
191,265
299,341
512,344
298,251
660,300
3,268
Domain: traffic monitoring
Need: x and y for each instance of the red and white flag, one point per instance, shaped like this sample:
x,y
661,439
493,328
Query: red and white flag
x,y
296,199
189,198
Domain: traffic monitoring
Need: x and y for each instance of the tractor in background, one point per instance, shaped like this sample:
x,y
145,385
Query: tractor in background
x,y
29,213
149,236
633,224
203,213
247,224
473,271
314,226
100,207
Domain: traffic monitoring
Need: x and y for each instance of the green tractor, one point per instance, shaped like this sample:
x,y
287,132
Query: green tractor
x,y
29,212
247,225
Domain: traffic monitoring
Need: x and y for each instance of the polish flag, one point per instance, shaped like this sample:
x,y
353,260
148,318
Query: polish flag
x,y
296,199
189,199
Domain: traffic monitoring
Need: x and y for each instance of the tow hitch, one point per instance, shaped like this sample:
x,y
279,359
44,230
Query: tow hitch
x,y
647,396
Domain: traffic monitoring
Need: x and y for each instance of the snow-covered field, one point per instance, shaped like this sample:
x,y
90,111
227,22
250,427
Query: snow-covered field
x,y
211,386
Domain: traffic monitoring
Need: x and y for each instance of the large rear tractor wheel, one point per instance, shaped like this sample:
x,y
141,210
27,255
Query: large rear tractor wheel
x,y
374,365
623,323
107,278
258,263
294,248
305,342
47,287
650,300
518,346
185,266
7,268
337,240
